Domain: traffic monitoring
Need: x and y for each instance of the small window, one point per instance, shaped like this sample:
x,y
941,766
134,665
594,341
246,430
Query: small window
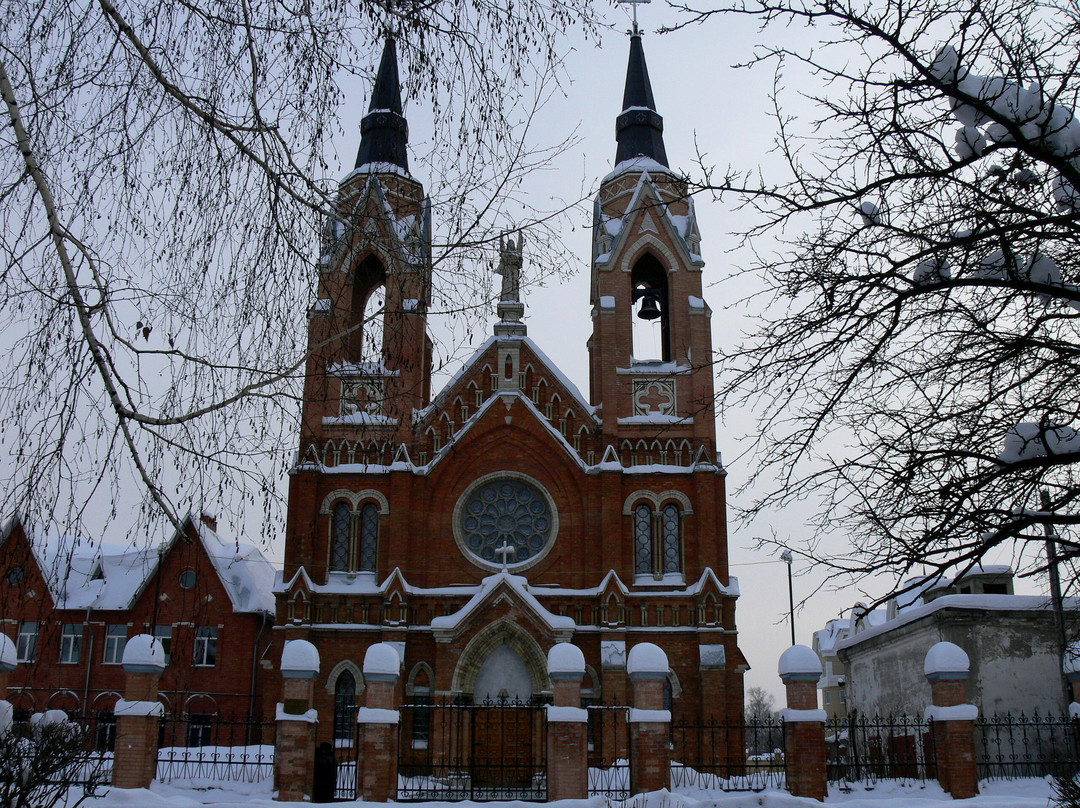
x,y
206,640
26,648
105,731
71,643
115,640
828,697
341,521
995,589
369,536
344,709
200,729
421,728
643,539
15,576
163,634
188,579
843,697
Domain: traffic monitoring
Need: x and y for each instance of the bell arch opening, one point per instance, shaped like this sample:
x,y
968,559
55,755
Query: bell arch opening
x,y
650,312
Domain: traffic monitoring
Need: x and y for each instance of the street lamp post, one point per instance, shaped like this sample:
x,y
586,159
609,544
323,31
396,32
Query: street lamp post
x,y
787,559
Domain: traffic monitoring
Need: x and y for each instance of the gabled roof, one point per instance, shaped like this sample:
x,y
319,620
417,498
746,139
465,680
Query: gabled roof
x,y
489,586
104,576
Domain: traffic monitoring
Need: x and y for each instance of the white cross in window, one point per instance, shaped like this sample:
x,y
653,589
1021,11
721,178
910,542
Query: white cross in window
x,y
505,550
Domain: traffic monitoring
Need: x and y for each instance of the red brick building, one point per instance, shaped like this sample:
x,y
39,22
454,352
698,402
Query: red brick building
x,y
477,527
70,607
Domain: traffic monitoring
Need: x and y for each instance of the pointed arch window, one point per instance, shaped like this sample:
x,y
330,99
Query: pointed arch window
x,y
657,540
354,537
344,709
651,322
341,523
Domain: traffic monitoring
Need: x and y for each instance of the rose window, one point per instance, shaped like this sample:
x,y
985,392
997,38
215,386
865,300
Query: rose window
x,y
509,512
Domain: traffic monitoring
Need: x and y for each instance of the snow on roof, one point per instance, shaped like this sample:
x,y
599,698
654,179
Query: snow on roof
x,y
989,603
520,585
376,168
835,629
639,163
247,575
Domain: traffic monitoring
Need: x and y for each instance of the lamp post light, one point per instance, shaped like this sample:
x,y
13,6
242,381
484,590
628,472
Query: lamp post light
x,y
787,559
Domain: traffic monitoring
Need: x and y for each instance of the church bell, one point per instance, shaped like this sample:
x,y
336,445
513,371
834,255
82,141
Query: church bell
x,y
650,307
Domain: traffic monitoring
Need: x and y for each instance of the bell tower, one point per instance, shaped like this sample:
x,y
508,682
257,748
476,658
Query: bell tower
x,y
370,362
650,354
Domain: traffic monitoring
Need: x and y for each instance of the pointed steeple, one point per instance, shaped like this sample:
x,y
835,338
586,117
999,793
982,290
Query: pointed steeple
x,y
639,129
384,132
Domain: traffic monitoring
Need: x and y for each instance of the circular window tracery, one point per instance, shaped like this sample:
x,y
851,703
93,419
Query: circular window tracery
x,y
505,510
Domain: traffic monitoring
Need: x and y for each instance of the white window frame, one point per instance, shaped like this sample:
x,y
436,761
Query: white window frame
x,y
113,652
71,643
26,647
204,636
164,635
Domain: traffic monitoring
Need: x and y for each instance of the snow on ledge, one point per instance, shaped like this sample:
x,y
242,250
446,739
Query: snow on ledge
x,y
382,659
565,658
645,657
957,712
308,717
124,707
640,716
791,716
567,715
799,661
377,715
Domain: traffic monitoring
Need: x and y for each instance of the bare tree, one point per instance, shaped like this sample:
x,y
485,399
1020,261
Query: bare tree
x,y
917,363
162,188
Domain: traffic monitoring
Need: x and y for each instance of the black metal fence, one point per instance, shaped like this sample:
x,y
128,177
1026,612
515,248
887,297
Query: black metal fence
x,y
867,749
1009,747
609,752
199,747
728,755
486,751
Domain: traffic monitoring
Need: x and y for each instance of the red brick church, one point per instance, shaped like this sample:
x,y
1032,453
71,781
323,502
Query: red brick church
x,y
476,527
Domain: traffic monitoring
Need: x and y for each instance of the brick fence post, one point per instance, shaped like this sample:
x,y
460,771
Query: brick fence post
x,y
804,724
138,714
946,669
377,725
650,723
9,658
568,726
294,745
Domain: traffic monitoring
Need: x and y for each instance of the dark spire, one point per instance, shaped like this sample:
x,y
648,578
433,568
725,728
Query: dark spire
x,y
384,132
639,129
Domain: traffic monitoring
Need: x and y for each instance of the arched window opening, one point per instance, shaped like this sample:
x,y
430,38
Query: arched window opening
x,y
367,307
369,536
344,709
650,311
657,540
669,524
341,519
642,539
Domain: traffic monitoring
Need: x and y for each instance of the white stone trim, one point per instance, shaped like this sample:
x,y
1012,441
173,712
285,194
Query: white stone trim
x,y
639,716
956,712
377,715
355,499
657,499
566,715
124,707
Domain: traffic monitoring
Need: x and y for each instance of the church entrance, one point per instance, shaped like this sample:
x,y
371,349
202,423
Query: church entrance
x,y
491,745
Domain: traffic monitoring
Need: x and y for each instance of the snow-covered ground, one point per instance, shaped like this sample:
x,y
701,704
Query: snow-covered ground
x,y
1013,794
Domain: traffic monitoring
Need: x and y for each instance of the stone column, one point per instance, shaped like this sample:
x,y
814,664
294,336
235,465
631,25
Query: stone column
x,y
946,669
9,658
138,714
650,723
804,724
294,749
377,730
568,726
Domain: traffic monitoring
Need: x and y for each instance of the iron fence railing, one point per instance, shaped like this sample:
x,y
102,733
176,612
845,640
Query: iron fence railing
x,y
1009,747
867,749
728,755
208,747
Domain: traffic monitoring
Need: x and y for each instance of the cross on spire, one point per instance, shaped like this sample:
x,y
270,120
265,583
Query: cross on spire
x,y
634,3
505,550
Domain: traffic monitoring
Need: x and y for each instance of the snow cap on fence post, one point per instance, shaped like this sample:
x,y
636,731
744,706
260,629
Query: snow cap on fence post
x,y
647,661
382,663
565,661
799,663
946,660
299,660
143,653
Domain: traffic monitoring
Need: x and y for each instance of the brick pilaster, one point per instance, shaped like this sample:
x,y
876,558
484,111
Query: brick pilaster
x,y
138,714
294,747
568,727
650,723
804,724
946,669
377,726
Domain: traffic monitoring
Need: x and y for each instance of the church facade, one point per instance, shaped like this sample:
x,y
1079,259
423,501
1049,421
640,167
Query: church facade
x,y
476,527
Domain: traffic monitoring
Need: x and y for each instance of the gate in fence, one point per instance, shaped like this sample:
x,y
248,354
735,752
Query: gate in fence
x,y
609,752
487,751
867,749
